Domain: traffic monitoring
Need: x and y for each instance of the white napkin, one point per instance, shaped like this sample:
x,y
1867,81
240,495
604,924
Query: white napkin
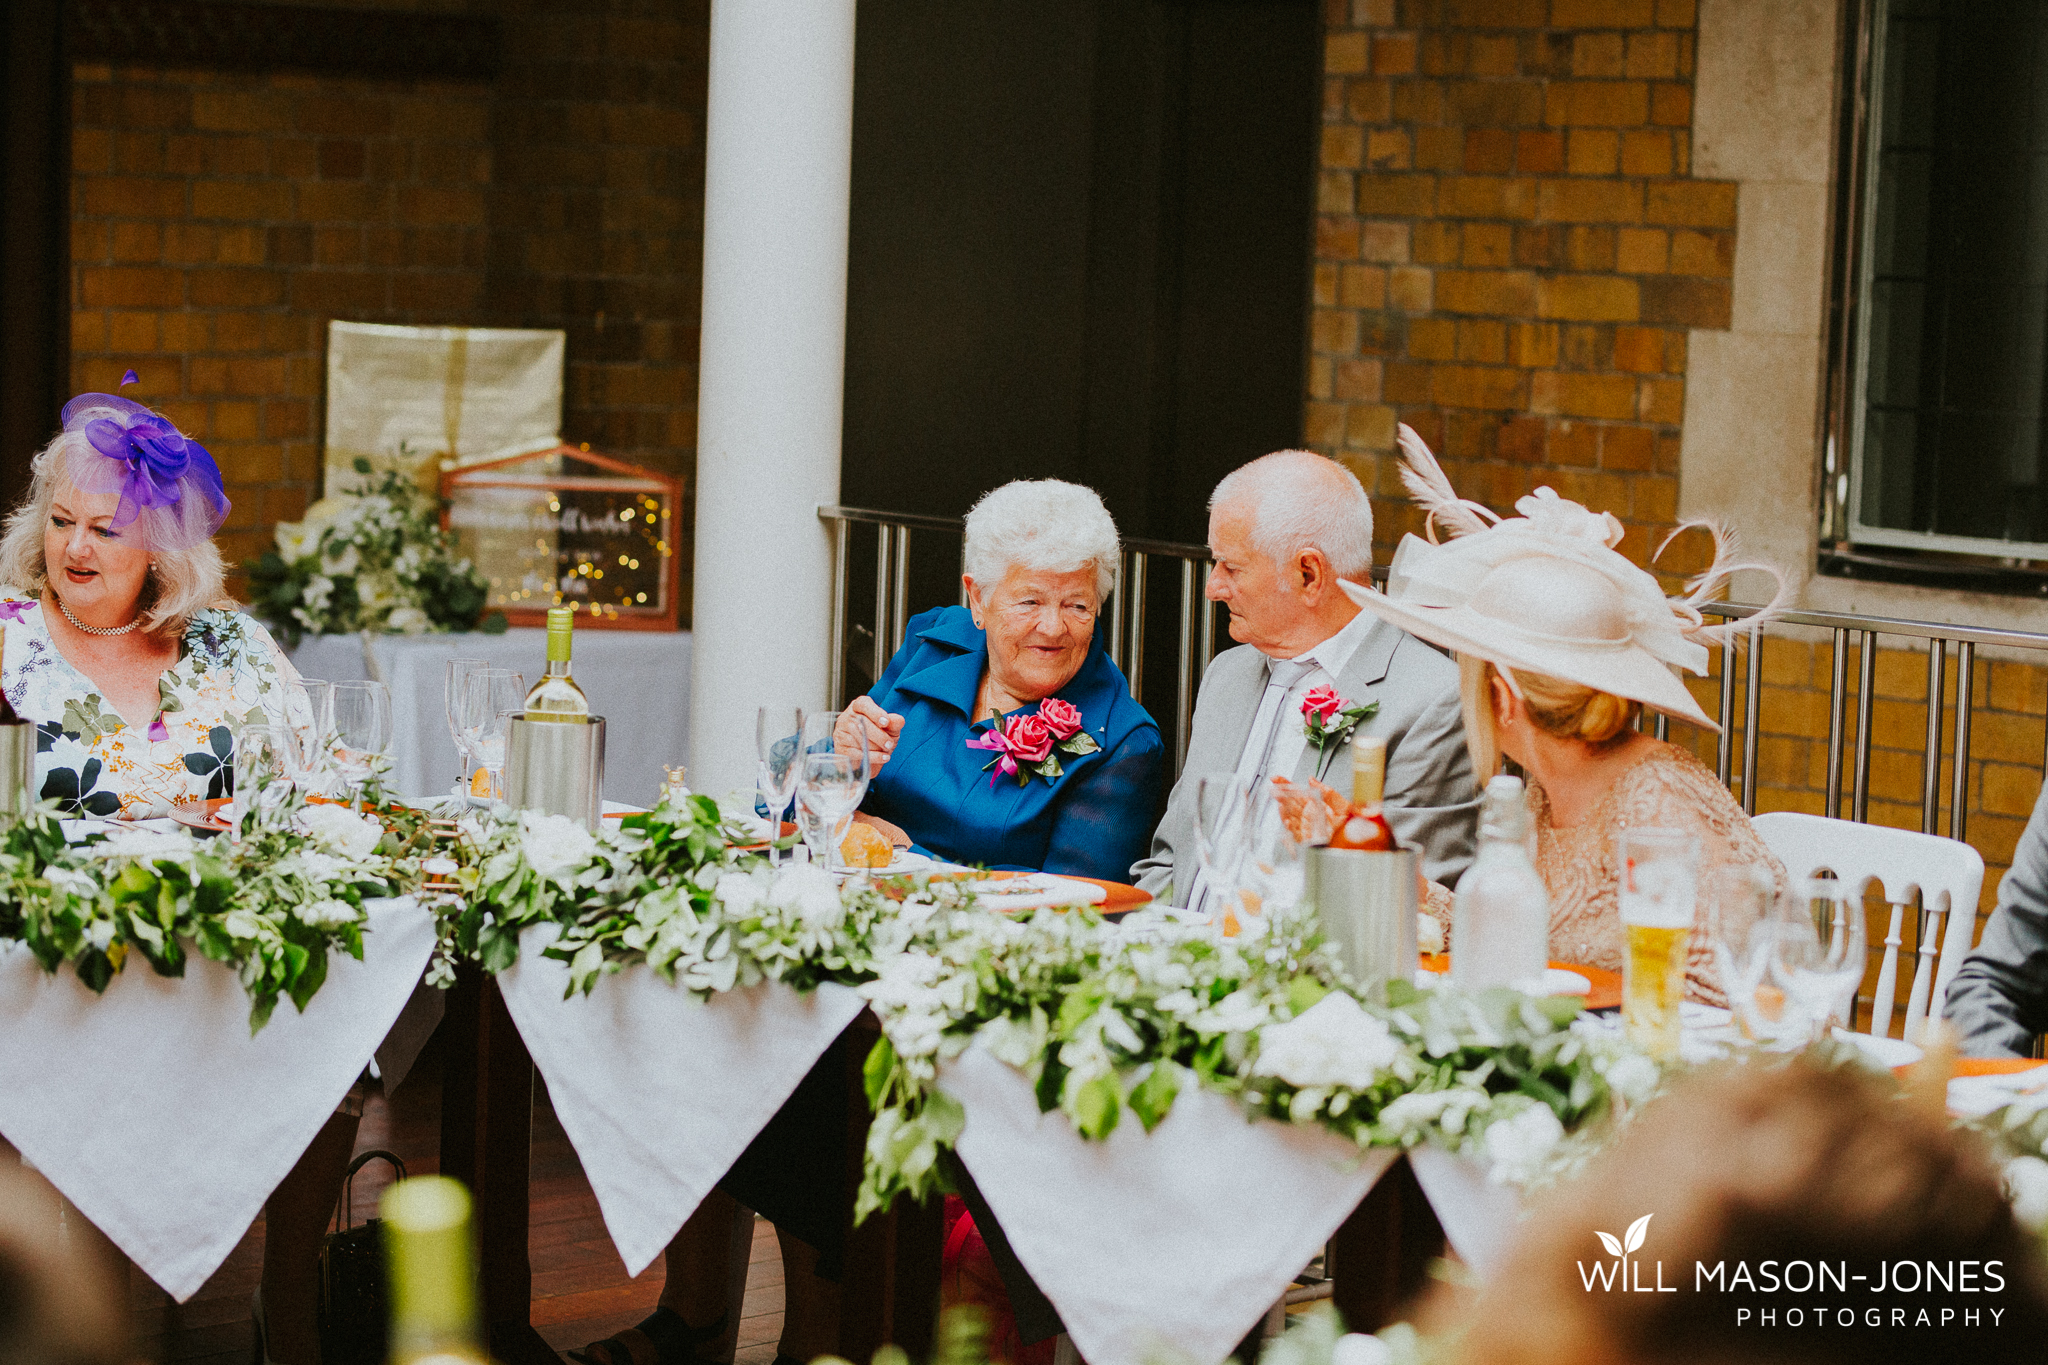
x,y
1975,1096
660,1094
1158,1247
1034,889
157,1114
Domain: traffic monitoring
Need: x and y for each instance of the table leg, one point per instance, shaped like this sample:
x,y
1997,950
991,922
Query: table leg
x,y
890,1292
487,1143
1380,1255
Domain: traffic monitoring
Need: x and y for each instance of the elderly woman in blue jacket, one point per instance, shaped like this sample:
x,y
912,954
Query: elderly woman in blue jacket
x,y
1001,734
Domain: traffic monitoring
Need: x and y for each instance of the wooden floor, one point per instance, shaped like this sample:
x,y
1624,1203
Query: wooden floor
x,y
580,1289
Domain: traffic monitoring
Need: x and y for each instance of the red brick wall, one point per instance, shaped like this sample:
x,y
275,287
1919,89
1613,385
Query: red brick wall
x,y
222,219
1510,248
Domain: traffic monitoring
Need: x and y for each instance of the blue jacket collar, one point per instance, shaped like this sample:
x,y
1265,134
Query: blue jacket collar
x,y
955,680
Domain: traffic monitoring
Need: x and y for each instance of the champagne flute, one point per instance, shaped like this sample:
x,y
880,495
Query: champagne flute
x,y
362,727
490,698
458,678
1222,837
313,728
778,740
1817,954
264,760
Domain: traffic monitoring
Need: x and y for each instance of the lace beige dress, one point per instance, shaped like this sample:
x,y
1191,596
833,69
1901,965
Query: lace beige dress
x,y
1667,788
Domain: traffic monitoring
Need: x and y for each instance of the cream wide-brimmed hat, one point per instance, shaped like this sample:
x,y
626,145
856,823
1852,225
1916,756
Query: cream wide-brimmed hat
x,y
1548,593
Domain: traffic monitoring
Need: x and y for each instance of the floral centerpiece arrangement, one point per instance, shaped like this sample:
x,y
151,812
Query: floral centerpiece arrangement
x,y
372,559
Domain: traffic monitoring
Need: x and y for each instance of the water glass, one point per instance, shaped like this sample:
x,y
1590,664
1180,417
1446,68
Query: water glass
x,y
1742,927
778,741
1659,892
456,680
490,699
1817,955
830,790
362,727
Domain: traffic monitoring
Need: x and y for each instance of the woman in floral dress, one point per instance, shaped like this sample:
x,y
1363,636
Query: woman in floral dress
x,y
124,649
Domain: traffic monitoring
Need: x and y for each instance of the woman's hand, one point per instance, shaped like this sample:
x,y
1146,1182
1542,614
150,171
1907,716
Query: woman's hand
x,y
882,731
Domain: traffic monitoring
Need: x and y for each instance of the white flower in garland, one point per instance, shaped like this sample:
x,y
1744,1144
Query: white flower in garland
x,y
329,914
337,829
812,893
1519,1147
2026,1185
554,844
1240,1011
1332,1043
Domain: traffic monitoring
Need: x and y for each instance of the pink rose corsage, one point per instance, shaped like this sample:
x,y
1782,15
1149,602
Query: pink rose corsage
x,y
1029,743
1328,721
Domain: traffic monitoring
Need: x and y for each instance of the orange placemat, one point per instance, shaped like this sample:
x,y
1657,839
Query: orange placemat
x,y
1996,1066
1605,994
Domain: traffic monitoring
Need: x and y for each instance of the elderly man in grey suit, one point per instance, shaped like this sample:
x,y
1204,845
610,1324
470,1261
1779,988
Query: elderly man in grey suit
x,y
1283,530
1998,1001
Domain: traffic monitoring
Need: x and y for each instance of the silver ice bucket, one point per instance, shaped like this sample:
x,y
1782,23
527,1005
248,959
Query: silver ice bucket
x,y
1366,903
17,767
557,767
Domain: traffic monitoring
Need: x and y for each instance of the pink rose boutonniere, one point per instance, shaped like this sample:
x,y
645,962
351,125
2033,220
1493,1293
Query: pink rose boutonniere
x,y
1328,720
1030,743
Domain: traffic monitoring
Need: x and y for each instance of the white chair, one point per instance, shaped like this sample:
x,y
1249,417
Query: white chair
x,y
1947,873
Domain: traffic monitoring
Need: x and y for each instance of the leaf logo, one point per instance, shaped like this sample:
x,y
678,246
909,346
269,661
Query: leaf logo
x,y
1629,1241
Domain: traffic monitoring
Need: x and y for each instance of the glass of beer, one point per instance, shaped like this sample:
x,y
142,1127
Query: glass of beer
x,y
1659,889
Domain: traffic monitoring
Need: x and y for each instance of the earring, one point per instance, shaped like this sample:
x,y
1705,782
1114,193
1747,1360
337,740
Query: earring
x,y
152,566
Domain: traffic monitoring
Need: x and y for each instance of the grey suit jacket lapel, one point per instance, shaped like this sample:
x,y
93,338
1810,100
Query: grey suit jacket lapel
x,y
1366,670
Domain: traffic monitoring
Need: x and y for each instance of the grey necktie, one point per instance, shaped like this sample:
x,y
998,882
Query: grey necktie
x,y
1281,674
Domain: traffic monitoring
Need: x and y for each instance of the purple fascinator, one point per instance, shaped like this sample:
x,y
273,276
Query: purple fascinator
x,y
168,485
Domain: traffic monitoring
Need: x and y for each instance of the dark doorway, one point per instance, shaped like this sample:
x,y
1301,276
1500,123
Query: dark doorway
x,y
1080,249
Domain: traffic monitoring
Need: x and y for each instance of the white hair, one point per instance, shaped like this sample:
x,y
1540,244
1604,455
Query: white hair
x,y
1300,500
1042,524
181,584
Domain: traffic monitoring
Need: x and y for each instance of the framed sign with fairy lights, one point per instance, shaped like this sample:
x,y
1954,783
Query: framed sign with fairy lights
x,y
570,527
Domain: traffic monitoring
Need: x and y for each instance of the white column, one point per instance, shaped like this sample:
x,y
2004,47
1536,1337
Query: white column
x,y
777,173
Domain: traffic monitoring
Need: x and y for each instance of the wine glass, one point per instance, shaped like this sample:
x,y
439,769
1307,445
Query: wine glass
x,y
265,759
1222,838
1742,926
362,727
457,678
1273,874
842,732
830,790
491,697
1817,954
778,740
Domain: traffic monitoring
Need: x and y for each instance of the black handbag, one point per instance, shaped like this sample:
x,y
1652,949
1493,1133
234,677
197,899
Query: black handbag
x,y
352,1322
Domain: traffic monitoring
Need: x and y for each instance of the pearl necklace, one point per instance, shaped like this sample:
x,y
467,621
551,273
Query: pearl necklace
x,y
94,630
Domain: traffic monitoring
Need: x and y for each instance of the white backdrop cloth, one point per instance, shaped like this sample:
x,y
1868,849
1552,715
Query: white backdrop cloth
x,y
1162,1247
638,680
659,1093
153,1110
1479,1217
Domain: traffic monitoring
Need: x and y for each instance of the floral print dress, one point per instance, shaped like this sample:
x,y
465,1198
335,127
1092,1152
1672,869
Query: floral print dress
x,y
229,673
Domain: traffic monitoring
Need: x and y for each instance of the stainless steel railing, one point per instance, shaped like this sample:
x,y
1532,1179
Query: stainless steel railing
x,y
1195,618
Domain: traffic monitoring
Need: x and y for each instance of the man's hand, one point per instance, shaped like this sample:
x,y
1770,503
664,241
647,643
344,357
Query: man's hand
x,y
1311,813
882,730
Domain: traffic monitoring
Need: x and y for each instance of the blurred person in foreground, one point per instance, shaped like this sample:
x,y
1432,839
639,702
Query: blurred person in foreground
x,y
1759,1171
1291,533
58,1304
1998,1001
1561,643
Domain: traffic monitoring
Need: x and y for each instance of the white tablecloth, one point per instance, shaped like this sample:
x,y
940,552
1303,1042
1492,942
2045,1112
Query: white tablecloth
x,y
156,1113
638,680
1161,1246
658,1093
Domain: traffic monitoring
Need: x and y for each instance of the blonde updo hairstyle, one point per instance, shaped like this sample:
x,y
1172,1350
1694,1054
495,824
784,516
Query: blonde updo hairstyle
x,y
182,584
1567,710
